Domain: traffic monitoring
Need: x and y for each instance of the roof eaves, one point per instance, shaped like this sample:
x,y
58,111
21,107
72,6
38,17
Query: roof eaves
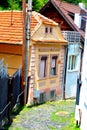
x,y
58,42
11,43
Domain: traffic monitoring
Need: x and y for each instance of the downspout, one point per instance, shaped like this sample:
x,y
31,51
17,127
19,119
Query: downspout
x,y
65,68
28,40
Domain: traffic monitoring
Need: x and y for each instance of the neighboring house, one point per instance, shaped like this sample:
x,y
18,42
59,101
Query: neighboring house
x,y
11,33
47,53
69,17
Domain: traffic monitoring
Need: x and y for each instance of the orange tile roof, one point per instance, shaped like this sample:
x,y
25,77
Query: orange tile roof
x,y
11,25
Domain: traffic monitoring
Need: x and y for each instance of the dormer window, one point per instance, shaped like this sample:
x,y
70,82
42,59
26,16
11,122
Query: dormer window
x,y
48,30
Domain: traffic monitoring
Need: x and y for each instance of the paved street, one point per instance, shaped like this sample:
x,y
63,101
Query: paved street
x,y
55,115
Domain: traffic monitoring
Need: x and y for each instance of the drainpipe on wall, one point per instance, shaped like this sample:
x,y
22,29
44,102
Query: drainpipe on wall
x,y
28,40
65,68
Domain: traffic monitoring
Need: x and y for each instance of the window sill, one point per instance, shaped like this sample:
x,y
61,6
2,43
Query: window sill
x,y
75,70
45,78
53,75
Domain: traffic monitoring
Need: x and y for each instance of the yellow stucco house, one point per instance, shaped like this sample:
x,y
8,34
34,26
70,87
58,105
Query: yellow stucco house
x,y
47,53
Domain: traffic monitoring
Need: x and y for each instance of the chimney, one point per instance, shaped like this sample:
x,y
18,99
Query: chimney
x,y
82,6
77,19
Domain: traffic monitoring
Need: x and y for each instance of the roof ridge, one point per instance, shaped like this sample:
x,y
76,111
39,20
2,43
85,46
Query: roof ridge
x,y
10,11
35,14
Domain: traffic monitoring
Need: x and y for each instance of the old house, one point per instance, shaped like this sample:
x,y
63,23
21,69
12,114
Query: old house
x,y
47,60
47,51
69,17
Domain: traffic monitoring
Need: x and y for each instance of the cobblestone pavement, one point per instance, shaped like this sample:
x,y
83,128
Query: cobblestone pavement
x,y
41,117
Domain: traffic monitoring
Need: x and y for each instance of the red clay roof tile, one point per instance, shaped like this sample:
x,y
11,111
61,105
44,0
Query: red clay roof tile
x,y
11,25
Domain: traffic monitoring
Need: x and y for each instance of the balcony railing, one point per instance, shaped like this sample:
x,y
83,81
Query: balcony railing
x,y
72,36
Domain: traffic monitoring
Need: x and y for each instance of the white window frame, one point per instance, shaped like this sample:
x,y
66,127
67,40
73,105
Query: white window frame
x,y
72,62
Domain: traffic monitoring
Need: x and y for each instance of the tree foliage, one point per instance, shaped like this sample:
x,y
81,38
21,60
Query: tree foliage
x,y
10,4
85,2
37,4
74,1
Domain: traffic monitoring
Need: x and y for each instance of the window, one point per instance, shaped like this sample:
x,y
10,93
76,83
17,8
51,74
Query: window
x,y
83,24
72,62
42,97
54,65
48,30
43,65
52,94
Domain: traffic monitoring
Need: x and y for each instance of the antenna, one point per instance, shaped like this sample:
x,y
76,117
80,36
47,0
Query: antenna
x,y
12,11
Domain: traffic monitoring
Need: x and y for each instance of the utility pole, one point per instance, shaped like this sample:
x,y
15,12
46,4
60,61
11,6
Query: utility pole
x,y
26,46
23,53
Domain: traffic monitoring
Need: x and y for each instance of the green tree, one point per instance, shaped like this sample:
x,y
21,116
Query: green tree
x,y
10,4
15,4
73,1
85,2
38,4
3,4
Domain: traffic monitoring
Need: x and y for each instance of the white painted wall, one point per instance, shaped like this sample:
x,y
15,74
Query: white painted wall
x,y
83,93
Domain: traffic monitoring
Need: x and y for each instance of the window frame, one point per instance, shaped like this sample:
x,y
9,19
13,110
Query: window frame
x,y
43,57
56,65
72,62
48,30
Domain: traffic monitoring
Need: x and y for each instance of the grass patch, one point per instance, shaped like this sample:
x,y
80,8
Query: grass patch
x,y
67,119
59,117
52,128
16,128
